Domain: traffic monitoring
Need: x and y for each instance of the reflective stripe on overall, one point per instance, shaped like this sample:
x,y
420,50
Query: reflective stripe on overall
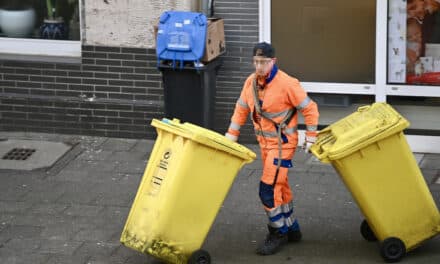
x,y
275,192
281,94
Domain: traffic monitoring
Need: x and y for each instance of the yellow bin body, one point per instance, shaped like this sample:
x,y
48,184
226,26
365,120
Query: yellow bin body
x,y
370,152
186,180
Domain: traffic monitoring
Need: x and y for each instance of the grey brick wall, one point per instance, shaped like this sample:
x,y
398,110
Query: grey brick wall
x,y
241,33
112,92
116,91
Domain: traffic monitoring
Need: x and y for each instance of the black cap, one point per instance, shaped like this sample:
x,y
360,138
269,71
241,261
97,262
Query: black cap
x,y
264,49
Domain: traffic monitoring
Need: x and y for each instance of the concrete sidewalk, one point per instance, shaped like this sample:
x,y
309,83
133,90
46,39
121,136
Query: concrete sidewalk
x,y
74,211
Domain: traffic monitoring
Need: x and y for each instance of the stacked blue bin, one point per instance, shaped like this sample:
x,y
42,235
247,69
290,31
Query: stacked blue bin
x,y
189,85
181,37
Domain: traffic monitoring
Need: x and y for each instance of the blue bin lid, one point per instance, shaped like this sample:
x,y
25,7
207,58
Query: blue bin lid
x,y
181,36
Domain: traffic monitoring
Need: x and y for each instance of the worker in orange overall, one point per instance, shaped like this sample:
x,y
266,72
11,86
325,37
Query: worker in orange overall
x,y
273,98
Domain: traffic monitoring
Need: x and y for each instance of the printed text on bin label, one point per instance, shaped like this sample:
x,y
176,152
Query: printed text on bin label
x,y
160,173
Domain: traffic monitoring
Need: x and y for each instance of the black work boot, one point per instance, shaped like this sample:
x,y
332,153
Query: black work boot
x,y
294,235
273,242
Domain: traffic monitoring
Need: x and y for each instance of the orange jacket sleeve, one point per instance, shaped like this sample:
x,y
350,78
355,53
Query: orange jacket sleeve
x,y
306,106
241,111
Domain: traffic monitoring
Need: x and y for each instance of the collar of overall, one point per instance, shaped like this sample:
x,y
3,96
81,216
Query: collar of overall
x,y
269,77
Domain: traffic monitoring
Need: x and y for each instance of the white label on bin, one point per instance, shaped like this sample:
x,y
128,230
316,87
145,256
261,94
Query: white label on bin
x,y
186,21
178,25
160,173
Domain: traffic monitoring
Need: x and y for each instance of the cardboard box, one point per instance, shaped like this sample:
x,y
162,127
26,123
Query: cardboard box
x,y
215,39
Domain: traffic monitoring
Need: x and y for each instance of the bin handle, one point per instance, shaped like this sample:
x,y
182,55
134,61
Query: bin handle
x,y
199,20
363,108
318,151
322,156
164,18
180,129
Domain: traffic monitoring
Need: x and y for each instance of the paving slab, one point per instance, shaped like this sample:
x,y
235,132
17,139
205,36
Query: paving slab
x,y
34,258
74,211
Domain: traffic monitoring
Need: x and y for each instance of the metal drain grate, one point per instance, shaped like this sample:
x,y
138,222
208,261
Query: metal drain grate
x,y
19,154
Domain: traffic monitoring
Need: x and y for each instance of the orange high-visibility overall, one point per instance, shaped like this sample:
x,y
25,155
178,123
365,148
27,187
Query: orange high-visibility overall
x,y
278,95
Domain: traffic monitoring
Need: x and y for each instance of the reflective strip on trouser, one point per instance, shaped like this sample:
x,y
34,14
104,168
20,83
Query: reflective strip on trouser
x,y
282,218
276,198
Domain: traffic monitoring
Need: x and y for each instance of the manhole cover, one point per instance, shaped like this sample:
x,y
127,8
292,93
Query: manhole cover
x,y
18,154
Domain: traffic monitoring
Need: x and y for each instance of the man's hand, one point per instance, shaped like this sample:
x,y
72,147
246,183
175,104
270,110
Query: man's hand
x,y
308,143
231,137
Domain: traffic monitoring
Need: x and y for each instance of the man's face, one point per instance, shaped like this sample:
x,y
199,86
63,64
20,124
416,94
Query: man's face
x,y
263,65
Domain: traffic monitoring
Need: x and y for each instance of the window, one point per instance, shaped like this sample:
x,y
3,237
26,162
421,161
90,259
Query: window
x,y
414,62
325,41
414,42
349,53
35,27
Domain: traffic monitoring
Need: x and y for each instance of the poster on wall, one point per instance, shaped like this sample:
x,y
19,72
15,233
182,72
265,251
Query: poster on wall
x,y
414,42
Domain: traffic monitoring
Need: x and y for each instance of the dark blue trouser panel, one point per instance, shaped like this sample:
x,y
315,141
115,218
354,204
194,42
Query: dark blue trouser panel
x,y
266,194
284,163
294,226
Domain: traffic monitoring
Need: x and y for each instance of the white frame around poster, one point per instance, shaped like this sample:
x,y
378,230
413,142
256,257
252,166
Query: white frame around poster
x,y
41,49
380,89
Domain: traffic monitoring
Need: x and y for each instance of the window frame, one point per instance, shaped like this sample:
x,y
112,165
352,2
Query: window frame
x,y
380,88
42,49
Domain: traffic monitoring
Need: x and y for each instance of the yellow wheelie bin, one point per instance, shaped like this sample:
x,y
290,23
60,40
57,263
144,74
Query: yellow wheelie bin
x,y
371,155
187,178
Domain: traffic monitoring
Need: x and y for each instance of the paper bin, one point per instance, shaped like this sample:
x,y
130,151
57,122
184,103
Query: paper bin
x,y
186,180
370,152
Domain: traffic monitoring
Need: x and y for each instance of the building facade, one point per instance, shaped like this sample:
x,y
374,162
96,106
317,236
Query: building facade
x,y
102,79
107,83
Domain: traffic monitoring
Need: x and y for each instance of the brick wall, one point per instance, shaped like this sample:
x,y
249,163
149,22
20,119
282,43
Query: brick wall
x,y
241,33
116,91
112,92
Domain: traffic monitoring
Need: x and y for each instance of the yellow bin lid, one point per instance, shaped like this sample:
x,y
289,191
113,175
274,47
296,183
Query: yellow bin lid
x,y
369,124
204,136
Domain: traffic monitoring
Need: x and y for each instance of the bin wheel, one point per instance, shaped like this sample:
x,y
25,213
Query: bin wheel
x,y
392,249
200,257
366,232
